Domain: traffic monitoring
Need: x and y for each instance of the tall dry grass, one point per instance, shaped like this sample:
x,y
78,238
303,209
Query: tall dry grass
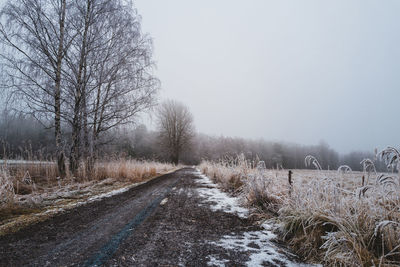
x,y
7,192
331,217
129,170
31,179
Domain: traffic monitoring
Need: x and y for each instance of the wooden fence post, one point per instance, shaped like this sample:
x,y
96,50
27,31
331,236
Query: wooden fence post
x,y
290,182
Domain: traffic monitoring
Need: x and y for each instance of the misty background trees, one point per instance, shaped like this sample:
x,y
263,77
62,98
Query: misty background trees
x,y
22,136
175,128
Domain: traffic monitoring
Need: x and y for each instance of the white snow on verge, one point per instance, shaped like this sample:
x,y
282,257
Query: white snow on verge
x,y
259,246
90,200
24,162
108,194
215,262
216,199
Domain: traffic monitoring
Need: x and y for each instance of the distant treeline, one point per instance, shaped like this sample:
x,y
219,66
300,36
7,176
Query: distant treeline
x,y
143,144
24,137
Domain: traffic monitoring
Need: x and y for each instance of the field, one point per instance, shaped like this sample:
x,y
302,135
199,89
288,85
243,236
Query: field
x,y
338,218
30,191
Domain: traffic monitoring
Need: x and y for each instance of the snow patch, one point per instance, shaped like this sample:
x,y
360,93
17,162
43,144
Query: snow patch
x,y
216,262
94,198
164,201
218,200
260,248
108,194
185,191
22,162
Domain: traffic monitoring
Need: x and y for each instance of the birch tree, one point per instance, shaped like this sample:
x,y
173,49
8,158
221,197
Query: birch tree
x,y
111,77
84,64
35,38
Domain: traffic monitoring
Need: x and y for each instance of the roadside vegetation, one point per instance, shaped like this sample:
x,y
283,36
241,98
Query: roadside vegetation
x,y
32,191
339,218
73,76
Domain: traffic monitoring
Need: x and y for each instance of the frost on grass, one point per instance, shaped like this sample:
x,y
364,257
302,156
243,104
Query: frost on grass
x,y
258,245
338,217
216,199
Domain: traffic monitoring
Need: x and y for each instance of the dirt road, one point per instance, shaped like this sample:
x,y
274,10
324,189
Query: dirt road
x,y
172,220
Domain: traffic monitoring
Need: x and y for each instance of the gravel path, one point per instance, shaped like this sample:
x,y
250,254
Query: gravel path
x,y
173,220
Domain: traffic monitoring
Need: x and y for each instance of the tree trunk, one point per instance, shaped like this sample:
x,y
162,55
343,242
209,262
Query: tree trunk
x,y
175,157
87,155
76,130
57,96
79,94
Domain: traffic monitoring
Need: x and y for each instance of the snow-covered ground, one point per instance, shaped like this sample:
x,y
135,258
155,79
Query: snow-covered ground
x,y
24,162
259,245
218,200
65,199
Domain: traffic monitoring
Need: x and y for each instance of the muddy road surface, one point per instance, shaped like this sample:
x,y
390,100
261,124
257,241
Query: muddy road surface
x,y
178,219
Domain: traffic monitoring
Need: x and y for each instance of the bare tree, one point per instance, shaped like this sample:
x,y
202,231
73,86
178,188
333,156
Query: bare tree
x,y
80,62
35,38
111,78
176,128
85,16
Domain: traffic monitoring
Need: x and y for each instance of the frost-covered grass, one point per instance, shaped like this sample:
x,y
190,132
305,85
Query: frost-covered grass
x,y
31,192
336,217
7,192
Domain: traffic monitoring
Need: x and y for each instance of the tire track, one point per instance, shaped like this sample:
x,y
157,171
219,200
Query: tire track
x,y
107,251
87,235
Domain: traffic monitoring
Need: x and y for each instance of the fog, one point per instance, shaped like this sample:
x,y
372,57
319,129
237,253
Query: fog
x,y
295,71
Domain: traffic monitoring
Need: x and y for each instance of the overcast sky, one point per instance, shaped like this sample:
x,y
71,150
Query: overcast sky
x,y
297,71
